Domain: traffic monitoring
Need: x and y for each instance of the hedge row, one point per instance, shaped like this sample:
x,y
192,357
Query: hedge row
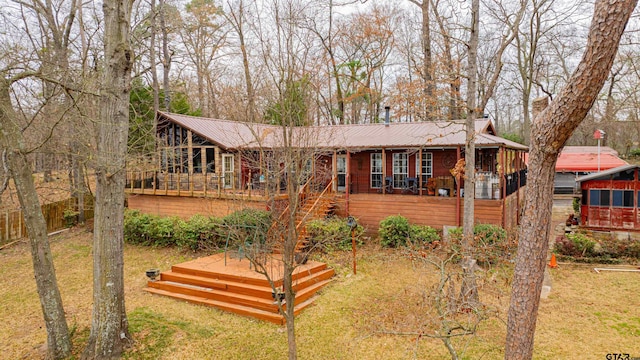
x,y
197,233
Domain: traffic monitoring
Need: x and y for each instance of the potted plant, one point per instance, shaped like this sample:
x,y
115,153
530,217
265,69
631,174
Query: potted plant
x,y
431,186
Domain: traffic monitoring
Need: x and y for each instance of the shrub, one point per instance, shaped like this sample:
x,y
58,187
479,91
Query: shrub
x,y
576,206
394,231
332,233
199,233
635,153
584,245
423,234
576,245
246,225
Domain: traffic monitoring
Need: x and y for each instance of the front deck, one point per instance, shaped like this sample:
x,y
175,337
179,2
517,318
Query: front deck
x,y
231,284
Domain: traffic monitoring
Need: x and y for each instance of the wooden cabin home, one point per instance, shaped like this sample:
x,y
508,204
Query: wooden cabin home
x,y
369,171
611,199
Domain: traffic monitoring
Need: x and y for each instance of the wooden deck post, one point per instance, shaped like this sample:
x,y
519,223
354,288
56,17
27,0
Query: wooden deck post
x,y
334,170
419,166
457,189
384,172
190,161
501,173
347,185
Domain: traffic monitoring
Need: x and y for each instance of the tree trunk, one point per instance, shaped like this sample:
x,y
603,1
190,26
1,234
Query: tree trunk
x,y
58,342
468,291
549,132
166,57
427,77
109,326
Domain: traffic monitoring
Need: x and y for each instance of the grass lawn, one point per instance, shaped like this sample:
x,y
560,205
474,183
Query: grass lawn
x,y
586,316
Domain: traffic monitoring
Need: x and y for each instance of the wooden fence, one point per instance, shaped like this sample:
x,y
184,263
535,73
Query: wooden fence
x,y
12,225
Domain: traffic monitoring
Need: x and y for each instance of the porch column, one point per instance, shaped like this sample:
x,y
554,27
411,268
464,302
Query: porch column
x,y
503,182
419,166
347,185
334,171
458,189
190,160
384,172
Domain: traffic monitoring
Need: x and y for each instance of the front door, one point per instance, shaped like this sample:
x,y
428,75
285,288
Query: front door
x,y
341,172
227,170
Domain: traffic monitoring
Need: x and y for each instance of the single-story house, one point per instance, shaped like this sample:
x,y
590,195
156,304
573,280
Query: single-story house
x,y
214,166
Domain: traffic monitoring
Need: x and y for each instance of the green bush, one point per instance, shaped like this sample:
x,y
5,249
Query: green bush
x,y
576,206
199,233
246,225
394,231
332,233
423,234
584,245
635,153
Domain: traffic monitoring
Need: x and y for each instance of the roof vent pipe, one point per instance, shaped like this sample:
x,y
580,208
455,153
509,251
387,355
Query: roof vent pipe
x,y
386,115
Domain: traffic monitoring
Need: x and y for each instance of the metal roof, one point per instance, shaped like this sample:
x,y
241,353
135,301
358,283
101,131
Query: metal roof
x,y
607,173
234,135
587,162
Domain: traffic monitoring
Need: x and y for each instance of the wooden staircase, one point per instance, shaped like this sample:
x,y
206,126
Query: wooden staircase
x,y
231,285
316,206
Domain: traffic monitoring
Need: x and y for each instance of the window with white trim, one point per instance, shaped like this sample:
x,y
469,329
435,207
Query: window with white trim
x,y
427,166
400,169
376,170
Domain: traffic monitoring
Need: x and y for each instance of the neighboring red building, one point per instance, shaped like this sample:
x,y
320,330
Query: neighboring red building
x,y
611,199
576,161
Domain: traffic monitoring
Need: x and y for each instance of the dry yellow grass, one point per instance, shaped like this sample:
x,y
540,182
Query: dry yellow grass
x,y
587,315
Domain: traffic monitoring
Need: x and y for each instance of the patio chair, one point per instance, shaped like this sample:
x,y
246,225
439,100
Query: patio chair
x,y
388,185
410,185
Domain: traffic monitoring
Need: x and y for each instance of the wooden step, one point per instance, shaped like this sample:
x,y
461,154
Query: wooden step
x,y
234,308
275,318
242,288
265,304
307,281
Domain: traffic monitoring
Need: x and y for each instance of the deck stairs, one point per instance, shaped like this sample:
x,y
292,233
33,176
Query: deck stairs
x,y
232,285
236,288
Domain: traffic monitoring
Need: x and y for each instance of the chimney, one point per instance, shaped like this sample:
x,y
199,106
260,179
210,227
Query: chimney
x,y
386,115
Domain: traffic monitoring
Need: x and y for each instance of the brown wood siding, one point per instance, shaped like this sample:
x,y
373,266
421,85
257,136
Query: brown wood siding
x,y
186,207
436,212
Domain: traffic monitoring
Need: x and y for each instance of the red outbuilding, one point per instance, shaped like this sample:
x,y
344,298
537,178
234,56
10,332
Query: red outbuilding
x,y
611,199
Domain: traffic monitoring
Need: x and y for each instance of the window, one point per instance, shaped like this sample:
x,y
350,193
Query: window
x,y
400,169
599,197
584,197
623,198
376,170
427,166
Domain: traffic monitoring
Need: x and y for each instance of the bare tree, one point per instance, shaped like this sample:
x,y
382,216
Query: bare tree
x,y
15,153
109,325
550,131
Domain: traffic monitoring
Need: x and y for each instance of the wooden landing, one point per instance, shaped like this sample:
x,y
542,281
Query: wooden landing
x,y
231,285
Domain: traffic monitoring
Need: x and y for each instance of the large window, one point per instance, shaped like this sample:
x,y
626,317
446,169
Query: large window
x,y
599,197
427,166
623,198
400,169
376,170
